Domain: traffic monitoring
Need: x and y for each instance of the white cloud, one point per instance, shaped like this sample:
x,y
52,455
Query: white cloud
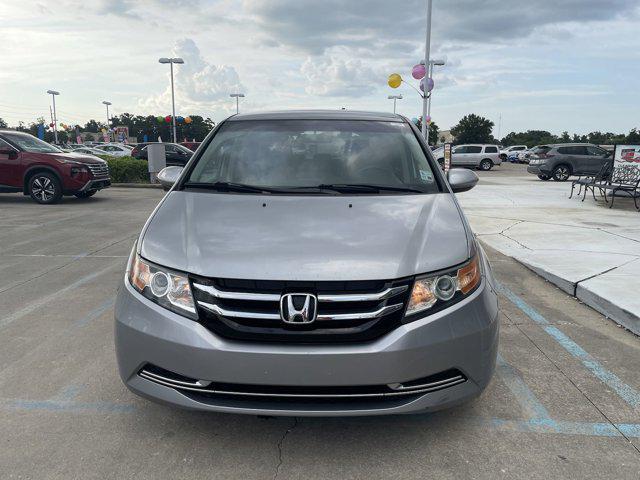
x,y
330,75
199,85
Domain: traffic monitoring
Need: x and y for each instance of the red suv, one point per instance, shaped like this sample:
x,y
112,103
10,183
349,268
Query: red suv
x,y
45,172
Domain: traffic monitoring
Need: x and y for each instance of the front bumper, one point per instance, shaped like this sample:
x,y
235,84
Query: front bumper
x,y
538,169
96,184
463,337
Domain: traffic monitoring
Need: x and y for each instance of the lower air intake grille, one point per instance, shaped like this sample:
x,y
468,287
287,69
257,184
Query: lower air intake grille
x,y
209,389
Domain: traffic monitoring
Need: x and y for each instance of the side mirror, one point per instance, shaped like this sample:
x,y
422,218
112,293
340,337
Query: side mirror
x,y
461,179
168,176
10,152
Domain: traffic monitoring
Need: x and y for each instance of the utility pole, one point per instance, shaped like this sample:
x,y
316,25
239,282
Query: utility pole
x,y
108,122
427,53
171,61
394,98
53,94
237,96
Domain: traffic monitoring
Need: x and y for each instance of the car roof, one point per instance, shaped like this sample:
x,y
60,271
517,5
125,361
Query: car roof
x,y
569,144
317,115
9,130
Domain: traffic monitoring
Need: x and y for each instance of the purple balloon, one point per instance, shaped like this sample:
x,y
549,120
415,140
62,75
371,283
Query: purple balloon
x,y
428,118
429,84
419,71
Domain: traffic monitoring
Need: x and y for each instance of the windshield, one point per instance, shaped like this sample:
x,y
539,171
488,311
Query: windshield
x,y
306,154
29,143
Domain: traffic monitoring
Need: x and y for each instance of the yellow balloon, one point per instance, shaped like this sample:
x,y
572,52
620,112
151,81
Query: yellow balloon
x,y
394,80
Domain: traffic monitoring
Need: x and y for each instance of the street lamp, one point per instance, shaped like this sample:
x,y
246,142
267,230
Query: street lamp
x,y
427,52
53,94
107,104
171,61
394,98
237,96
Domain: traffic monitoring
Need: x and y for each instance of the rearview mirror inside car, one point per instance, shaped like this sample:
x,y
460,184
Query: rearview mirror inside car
x,y
461,179
168,176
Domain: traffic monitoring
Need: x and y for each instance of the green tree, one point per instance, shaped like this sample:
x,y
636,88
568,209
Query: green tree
x,y
531,138
633,137
3,124
92,126
473,128
434,130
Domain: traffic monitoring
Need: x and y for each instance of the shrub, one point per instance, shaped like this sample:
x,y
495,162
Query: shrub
x,y
127,169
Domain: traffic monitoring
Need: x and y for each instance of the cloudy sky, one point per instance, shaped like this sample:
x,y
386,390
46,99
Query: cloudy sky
x,y
536,64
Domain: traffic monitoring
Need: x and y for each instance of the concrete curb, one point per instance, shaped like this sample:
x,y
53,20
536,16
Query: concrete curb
x,y
136,185
619,315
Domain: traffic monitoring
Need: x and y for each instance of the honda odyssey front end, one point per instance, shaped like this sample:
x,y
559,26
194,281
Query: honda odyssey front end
x,y
309,263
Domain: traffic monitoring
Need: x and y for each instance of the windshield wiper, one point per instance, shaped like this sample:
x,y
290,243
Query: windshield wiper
x,y
231,187
366,187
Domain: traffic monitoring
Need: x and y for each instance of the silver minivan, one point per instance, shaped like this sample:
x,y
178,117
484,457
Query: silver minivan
x,y
309,263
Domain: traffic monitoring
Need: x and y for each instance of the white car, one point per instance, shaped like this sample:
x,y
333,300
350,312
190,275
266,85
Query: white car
x,y
89,151
483,157
504,153
115,150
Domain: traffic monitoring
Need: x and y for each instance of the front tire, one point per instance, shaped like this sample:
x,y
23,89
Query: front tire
x,y
87,194
561,173
486,165
45,188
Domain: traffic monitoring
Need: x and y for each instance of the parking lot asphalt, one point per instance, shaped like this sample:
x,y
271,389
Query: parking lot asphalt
x,y
564,403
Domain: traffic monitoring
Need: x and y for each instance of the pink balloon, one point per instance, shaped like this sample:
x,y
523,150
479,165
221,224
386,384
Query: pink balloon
x,y
419,71
430,84
428,118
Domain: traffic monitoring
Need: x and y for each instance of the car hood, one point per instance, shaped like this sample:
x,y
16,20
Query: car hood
x,y
309,238
77,157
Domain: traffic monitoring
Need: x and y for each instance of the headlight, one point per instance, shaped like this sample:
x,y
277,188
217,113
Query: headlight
x,y
168,289
444,289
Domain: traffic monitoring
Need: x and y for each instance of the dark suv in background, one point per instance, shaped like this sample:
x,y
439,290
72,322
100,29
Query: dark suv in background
x,y
563,160
45,172
176,154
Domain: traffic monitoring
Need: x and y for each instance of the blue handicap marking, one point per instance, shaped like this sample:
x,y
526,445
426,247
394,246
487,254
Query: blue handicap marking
x,y
626,392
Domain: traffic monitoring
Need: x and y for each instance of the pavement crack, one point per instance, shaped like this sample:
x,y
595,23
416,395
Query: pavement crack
x,y
511,226
92,253
605,271
618,235
516,241
280,446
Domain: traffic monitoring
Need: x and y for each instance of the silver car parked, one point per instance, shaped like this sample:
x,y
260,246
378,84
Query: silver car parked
x,y
309,263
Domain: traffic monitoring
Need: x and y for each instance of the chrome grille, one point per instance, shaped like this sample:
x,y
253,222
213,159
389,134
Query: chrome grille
x,y
346,311
99,169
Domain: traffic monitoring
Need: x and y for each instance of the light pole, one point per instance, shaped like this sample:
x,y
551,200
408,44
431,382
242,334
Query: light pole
x,y
432,63
427,52
394,98
53,94
171,61
107,105
237,96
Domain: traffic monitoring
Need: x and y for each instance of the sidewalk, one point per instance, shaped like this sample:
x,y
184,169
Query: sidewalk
x,y
586,249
